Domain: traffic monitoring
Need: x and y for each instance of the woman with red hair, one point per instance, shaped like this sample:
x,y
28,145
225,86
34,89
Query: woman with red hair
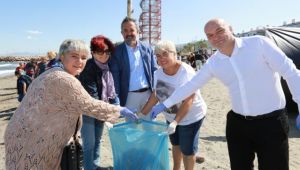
x,y
97,79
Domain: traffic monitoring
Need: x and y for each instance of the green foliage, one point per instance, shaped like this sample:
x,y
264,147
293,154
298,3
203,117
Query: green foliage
x,y
194,46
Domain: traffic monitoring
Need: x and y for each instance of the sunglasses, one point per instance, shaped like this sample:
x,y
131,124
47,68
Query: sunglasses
x,y
107,52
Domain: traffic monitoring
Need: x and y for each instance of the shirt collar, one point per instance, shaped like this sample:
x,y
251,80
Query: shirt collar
x,y
238,44
137,46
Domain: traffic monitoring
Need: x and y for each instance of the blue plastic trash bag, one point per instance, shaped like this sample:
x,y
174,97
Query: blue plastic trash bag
x,y
140,146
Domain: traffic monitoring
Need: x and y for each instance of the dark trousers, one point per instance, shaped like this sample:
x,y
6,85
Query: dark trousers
x,y
267,137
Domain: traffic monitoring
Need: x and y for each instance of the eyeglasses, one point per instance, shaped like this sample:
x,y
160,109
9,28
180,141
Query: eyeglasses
x,y
107,52
164,54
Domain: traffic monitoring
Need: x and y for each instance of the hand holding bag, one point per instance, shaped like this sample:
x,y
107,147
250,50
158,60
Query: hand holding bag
x,y
72,158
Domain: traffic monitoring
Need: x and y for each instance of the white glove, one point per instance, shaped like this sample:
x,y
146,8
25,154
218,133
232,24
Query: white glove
x,y
172,127
108,125
142,116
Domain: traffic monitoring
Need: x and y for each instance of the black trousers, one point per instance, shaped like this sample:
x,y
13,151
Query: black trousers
x,y
267,137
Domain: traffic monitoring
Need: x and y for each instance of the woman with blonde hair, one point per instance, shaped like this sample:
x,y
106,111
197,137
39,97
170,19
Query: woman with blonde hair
x,y
51,55
184,118
47,116
52,61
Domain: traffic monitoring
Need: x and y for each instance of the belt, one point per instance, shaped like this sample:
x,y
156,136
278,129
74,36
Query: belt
x,y
273,114
140,90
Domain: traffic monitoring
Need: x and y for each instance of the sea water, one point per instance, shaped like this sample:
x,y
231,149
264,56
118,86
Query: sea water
x,y
7,68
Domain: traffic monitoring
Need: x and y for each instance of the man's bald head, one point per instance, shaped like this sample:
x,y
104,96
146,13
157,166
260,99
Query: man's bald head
x,y
219,22
220,35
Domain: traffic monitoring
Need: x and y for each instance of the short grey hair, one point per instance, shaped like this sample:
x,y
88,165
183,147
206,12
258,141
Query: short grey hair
x,y
72,45
165,46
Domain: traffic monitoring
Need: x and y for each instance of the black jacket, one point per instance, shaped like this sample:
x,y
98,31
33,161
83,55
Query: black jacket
x,y
91,80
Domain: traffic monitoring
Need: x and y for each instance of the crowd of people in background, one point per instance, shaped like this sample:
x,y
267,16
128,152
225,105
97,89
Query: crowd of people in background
x,y
195,59
26,72
35,67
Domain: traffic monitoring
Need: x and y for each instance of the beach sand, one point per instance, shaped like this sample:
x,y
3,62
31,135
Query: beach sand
x,y
212,141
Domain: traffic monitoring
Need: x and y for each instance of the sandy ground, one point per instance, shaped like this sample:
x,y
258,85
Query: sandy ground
x,y
212,135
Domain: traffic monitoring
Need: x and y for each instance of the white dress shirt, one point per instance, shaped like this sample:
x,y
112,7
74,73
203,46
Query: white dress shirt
x,y
138,78
252,75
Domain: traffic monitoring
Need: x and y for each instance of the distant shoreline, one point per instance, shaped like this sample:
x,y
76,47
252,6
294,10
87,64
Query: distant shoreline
x,y
10,73
8,68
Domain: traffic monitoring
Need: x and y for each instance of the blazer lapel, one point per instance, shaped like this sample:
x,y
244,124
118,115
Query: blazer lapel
x,y
126,60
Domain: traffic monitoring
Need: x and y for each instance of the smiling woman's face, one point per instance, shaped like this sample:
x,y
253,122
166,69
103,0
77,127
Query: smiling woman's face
x,y
102,56
74,61
166,59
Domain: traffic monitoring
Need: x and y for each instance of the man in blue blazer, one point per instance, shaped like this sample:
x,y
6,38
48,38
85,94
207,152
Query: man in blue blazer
x,y
133,65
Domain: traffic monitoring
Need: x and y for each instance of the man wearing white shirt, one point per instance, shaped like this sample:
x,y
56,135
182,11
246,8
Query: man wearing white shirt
x,y
132,66
251,68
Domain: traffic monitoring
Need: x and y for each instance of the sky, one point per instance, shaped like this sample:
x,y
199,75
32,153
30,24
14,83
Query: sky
x,y
37,26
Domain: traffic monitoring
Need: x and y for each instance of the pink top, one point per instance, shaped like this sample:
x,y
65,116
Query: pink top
x,y
46,118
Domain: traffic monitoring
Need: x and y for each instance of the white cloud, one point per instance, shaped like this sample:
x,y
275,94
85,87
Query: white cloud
x,y
34,32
